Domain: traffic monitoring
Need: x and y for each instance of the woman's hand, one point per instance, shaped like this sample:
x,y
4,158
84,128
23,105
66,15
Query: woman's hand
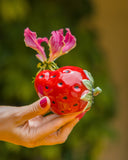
x,y
27,127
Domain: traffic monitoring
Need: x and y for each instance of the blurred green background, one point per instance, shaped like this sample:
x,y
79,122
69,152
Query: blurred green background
x,y
18,66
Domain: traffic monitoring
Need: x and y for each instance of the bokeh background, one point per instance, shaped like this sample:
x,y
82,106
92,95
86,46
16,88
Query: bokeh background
x,y
102,45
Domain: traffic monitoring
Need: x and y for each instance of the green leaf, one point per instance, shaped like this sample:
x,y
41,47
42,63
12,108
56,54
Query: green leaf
x,y
88,74
87,96
88,105
87,84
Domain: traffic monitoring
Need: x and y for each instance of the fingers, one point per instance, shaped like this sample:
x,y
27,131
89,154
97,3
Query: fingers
x,y
39,107
54,125
64,132
49,118
59,136
40,120
48,133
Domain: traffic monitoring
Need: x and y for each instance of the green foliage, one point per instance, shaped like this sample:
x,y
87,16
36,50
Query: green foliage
x,y
18,66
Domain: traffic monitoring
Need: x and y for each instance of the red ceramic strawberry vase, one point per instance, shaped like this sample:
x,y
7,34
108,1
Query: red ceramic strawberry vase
x,y
70,88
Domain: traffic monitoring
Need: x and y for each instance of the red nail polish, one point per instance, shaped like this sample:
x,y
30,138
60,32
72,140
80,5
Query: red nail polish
x,y
43,102
81,115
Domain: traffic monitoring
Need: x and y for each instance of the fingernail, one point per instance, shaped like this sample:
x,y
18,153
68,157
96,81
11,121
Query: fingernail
x,y
43,102
81,115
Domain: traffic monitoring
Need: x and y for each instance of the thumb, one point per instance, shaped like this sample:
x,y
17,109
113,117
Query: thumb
x,y
39,107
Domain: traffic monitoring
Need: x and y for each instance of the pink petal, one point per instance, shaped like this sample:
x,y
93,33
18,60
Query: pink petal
x,y
34,43
40,40
38,56
70,42
30,37
61,31
56,43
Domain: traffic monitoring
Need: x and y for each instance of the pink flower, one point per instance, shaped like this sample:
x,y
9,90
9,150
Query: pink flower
x,y
33,42
58,43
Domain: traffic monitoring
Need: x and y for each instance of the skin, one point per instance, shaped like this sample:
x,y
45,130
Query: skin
x,y
29,127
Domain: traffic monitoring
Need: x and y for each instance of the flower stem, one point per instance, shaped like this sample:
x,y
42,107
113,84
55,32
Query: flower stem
x,y
47,65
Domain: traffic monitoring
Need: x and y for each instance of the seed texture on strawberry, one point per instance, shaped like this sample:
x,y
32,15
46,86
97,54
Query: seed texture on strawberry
x,y
70,88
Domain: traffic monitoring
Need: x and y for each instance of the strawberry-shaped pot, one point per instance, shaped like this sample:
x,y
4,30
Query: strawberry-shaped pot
x,y
69,88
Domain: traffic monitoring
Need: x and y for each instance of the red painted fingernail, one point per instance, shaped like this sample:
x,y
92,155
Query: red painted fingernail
x,y
81,115
43,102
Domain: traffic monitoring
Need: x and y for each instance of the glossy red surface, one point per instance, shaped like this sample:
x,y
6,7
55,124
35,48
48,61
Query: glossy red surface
x,y
64,87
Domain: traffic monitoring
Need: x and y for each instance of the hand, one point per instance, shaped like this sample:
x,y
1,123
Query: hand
x,y
27,127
